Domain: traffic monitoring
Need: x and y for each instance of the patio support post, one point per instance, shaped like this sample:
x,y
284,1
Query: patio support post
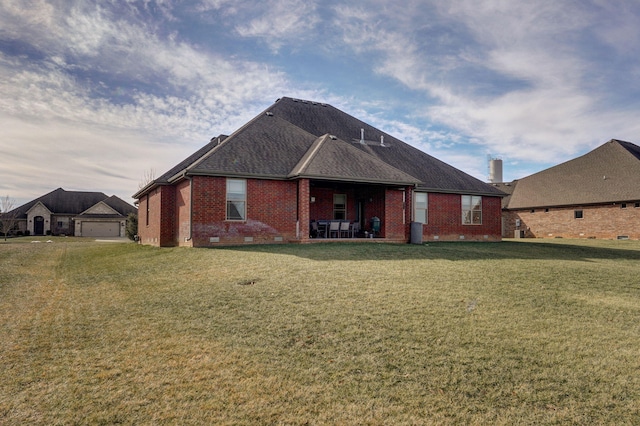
x,y
303,210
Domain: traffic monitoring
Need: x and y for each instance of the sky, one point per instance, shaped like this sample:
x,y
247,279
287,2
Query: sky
x,y
102,95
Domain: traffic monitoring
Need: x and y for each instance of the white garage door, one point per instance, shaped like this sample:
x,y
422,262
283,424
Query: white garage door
x,y
100,229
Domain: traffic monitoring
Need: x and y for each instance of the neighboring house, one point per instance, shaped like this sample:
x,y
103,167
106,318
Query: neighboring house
x,y
301,161
83,214
596,195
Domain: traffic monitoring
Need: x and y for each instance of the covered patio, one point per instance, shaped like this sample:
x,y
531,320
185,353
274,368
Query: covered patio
x,y
346,211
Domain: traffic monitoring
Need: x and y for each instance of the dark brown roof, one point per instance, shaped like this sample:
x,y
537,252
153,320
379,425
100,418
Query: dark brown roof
x,y
608,174
295,138
60,201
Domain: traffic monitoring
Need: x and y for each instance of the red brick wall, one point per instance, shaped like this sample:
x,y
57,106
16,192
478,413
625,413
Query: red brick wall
x,y
394,223
197,209
304,207
373,197
183,212
271,212
159,228
445,219
322,208
603,221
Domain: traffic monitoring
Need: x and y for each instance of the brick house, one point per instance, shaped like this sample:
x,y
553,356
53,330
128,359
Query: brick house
x,y
78,213
301,162
596,195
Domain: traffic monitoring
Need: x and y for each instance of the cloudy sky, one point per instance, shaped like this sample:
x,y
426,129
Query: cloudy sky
x,y
97,95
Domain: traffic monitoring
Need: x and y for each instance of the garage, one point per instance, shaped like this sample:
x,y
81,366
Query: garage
x,y
100,229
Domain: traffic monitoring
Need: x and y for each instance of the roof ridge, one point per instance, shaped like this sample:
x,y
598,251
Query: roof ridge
x,y
309,155
231,136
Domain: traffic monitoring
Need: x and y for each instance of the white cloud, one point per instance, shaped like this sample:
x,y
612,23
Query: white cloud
x,y
279,21
63,128
514,78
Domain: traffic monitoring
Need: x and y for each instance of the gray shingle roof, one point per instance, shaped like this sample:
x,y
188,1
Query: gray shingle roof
x,y
608,174
268,147
275,144
333,159
433,174
74,202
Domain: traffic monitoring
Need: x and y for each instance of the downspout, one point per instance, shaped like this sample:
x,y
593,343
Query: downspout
x,y
190,207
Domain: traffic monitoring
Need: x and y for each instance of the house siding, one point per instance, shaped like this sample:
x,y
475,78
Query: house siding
x,y
445,219
271,213
599,221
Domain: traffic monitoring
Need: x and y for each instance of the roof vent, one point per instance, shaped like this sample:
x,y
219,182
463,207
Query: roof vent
x,y
333,137
362,136
269,113
381,140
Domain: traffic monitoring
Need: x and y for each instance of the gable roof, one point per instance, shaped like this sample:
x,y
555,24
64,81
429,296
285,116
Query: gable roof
x,y
330,158
608,174
295,138
60,201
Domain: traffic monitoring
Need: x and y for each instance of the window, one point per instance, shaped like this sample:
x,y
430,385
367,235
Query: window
x,y
420,208
636,205
623,205
147,215
471,210
236,199
339,206
577,214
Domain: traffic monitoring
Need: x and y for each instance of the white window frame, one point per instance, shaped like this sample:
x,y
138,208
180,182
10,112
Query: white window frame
x,y
420,212
339,209
236,197
471,209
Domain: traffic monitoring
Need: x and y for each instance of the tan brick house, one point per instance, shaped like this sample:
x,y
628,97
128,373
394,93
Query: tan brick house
x,y
302,163
78,213
596,195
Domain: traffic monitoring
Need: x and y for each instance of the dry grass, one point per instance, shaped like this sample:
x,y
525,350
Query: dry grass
x,y
509,333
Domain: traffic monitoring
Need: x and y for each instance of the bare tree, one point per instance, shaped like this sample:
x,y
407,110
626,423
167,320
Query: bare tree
x,y
8,217
147,177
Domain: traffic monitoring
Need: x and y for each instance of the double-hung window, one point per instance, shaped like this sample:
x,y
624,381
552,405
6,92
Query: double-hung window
x,y
420,212
339,206
236,199
471,210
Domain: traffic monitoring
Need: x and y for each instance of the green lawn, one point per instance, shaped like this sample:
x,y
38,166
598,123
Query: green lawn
x,y
518,332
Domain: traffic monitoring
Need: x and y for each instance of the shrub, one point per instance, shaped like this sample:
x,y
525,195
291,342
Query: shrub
x,y
131,229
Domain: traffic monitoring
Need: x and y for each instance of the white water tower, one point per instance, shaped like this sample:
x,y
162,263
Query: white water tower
x,y
495,170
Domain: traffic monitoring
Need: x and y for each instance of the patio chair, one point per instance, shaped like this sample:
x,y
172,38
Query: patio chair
x,y
334,228
344,228
355,229
315,230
